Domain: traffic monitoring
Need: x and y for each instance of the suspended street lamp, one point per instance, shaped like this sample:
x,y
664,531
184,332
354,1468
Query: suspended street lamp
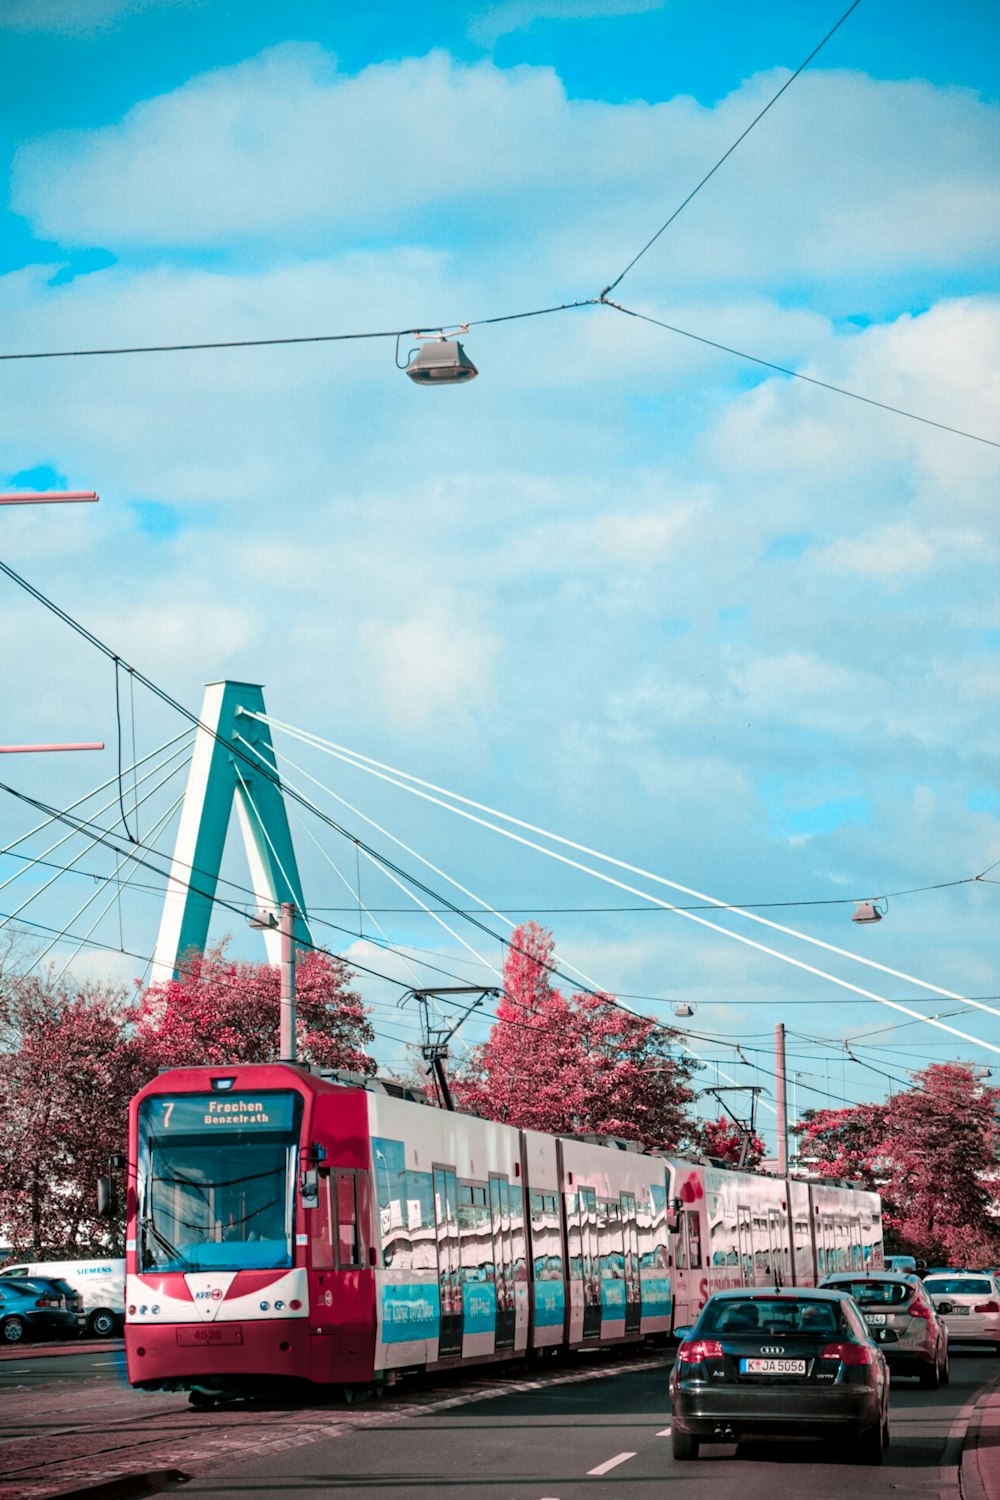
x,y
439,361
870,911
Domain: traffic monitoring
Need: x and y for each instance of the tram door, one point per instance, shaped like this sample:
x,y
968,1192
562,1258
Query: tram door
x,y
779,1244
744,1235
503,1261
449,1272
591,1264
633,1304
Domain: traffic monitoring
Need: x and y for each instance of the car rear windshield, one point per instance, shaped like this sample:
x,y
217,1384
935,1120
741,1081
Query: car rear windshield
x,y
880,1293
955,1286
777,1315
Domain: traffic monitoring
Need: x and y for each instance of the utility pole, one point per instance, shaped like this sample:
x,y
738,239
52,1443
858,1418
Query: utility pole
x,y
782,1120
287,1040
285,924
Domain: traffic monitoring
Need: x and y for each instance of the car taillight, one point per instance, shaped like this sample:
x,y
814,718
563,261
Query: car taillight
x,y
987,1307
47,1302
920,1310
849,1354
694,1351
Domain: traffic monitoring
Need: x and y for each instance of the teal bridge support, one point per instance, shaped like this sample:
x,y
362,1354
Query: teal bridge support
x,y
218,778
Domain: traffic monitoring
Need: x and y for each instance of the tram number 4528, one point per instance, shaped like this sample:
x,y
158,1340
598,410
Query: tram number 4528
x,y
230,1334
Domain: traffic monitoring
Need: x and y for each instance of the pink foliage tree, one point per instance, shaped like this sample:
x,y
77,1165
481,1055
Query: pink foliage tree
x,y
66,1074
723,1140
224,1010
573,1065
932,1151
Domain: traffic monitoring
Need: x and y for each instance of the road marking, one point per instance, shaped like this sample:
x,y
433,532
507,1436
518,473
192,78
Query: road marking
x,y
664,1432
612,1463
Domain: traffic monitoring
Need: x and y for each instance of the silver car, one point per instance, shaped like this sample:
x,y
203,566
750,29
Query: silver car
x,y
903,1320
969,1304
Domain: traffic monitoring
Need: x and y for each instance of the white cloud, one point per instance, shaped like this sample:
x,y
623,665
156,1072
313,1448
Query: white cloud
x,y
886,551
514,15
431,666
620,580
431,148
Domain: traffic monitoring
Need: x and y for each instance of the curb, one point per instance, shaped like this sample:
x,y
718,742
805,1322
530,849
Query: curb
x,y
125,1486
39,1351
972,1483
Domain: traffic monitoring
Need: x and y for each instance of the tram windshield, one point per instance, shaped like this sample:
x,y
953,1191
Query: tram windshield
x,y
216,1181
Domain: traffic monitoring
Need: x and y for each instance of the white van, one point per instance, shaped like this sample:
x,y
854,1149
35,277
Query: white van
x,y
101,1284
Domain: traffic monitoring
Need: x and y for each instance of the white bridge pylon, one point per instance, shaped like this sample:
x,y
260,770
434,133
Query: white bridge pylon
x,y
222,773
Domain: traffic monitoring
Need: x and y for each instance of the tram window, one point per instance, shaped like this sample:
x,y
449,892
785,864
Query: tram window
x,y
517,1232
390,1186
654,1240
545,1244
348,1249
693,1238
574,1239
420,1220
321,1222
475,1232
611,1248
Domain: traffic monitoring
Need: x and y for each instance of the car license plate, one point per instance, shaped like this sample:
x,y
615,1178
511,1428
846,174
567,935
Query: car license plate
x,y
960,1312
875,1320
218,1333
772,1367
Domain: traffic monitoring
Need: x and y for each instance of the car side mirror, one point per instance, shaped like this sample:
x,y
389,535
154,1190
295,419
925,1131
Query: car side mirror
x,y
309,1187
888,1336
683,1333
107,1198
944,1307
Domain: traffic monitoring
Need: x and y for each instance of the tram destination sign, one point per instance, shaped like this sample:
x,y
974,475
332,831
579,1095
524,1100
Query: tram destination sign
x,y
197,1114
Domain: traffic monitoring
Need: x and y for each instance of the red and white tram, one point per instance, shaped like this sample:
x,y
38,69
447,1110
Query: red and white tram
x,y
282,1224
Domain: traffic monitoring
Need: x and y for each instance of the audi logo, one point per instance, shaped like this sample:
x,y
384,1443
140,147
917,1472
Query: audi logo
x,y
773,1349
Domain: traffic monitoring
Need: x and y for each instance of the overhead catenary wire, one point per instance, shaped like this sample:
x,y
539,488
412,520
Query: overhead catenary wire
x,y
339,754
118,884
387,864
495,914
838,390
602,301
728,153
398,883
272,767
419,787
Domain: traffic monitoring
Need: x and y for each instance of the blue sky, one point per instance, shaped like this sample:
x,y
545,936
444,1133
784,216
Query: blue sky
x,y
726,626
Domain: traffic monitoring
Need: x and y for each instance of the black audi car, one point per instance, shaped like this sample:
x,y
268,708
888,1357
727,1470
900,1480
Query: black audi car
x,y
780,1362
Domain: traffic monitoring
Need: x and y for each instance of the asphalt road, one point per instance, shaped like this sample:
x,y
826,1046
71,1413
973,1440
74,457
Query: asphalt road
x,y
605,1439
589,1429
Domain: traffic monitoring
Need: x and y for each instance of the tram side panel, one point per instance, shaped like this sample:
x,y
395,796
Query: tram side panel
x,y
546,1240
616,1245
452,1280
342,1243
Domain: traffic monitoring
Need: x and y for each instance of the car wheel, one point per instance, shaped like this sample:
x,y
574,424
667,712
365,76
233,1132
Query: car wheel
x,y
102,1323
885,1435
930,1376
946,1368
13,1330
871,1445
683,1444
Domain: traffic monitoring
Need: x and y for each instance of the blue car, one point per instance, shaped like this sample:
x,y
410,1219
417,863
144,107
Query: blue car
x,y
39,1307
